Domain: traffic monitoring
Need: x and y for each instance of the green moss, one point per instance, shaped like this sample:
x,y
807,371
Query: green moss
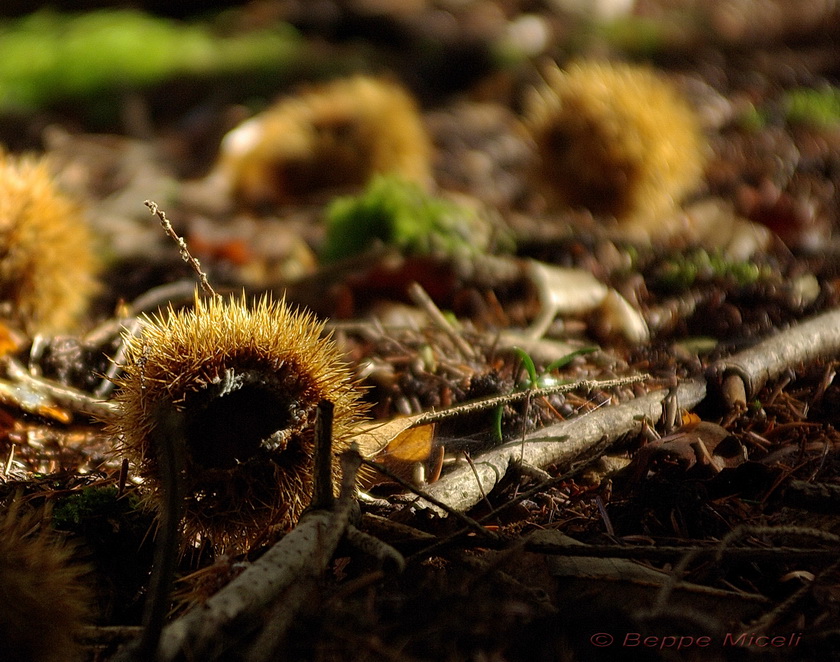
x,y
684,271
90,503
400,213
48,57
113,532
819,108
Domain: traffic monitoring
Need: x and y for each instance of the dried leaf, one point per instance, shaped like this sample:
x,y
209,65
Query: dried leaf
x,y
372,438
697,443
412,445
9,340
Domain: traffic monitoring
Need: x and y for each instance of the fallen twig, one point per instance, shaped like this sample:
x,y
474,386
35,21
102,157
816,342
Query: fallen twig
x,y
373,437
38,394
561,443
422,299
425,496
230,615
170,443
742,375
657,554
182,247
816,497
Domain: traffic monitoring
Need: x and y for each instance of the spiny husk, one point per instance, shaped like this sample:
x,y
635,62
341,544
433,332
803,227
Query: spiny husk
x,y
181,353
48,266
44,602
616,139
336,134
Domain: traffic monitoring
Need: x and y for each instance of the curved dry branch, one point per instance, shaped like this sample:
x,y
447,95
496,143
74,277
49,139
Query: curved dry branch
x,y
743,374
560,443
208,630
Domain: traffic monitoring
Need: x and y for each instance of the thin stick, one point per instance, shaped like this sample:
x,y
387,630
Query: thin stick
x,y
322,480
281,615
156,297
169,442
790,605
494,401
150,300
9,461
107,385
182,247
816,497
556,444
658,554
375,437
725,548
422,299
375,548
491,516
211,629
468,521
58,394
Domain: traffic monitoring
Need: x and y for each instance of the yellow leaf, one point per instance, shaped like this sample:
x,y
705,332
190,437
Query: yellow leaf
x,y
412,445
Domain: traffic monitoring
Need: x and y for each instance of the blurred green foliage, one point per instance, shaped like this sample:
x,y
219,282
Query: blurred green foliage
x,y
401,214
684,271
635,35
47,57
815,107
752,118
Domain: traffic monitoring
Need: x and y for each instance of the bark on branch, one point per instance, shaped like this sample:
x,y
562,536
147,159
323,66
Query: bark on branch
x,y
557,444
742,375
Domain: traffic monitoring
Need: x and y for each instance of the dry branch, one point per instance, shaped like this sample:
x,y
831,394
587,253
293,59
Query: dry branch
x,y
561,443
424,301
373,437
208,630
743,374
182,247
34,394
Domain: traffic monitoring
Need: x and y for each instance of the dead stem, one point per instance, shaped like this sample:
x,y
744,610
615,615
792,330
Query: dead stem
x,y
169,439
322,479
469,522
787,607
424,301
182,247
373,437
